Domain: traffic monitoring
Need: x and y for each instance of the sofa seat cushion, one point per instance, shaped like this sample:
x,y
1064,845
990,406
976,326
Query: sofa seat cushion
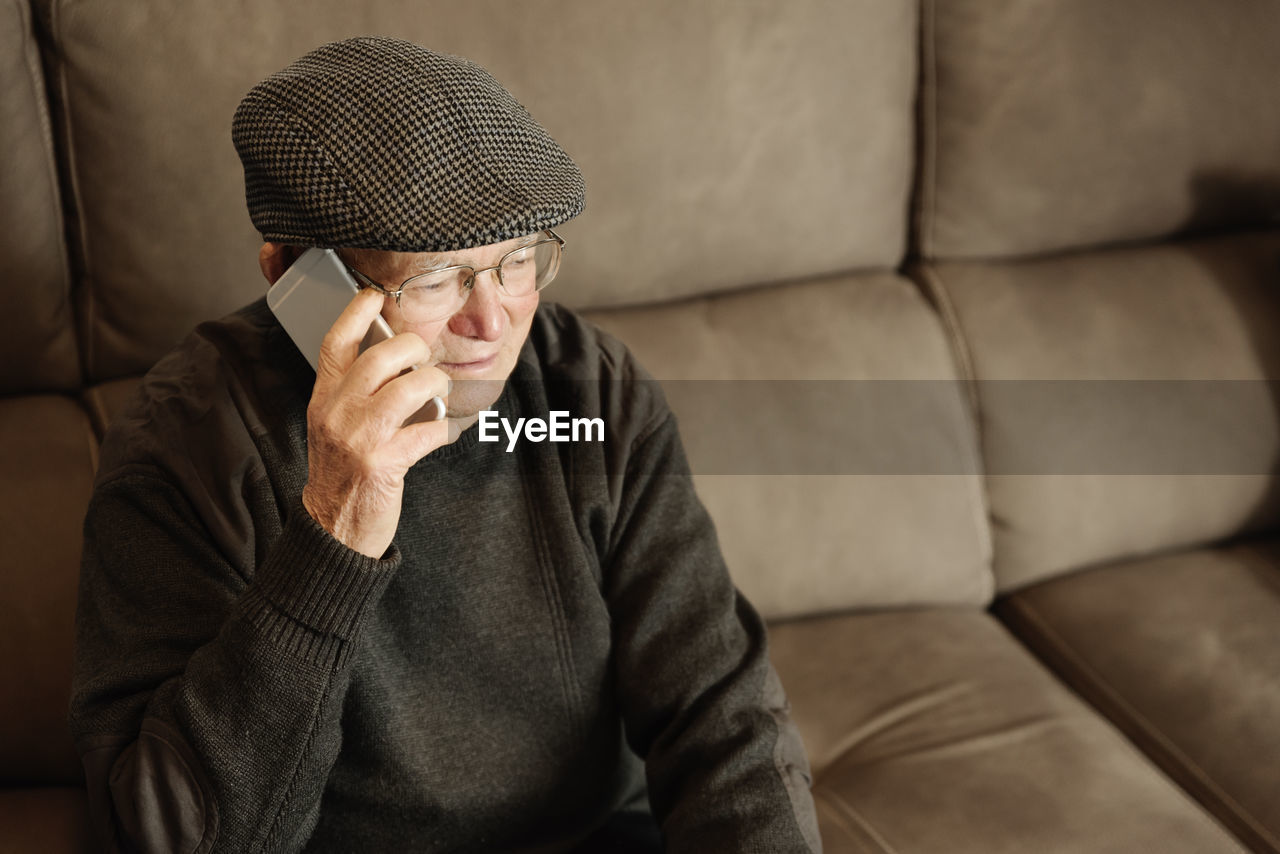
x,y
935,730
106,400
47,455
51,820
1182,651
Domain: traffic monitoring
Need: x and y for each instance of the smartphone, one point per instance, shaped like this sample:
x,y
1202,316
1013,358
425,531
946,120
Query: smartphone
x,y
307,300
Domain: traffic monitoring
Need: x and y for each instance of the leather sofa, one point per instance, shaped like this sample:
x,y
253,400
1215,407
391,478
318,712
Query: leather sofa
x,y
968,309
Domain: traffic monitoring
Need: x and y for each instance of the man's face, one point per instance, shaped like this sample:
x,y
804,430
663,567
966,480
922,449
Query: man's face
x,y
477,346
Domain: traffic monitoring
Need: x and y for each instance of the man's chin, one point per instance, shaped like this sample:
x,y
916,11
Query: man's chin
x,y
468,397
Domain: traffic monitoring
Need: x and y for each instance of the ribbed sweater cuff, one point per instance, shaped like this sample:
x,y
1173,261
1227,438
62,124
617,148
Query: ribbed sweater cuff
x,y
312,592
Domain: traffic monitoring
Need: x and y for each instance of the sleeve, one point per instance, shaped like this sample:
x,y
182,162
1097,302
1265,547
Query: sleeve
x,y
701,702
206,709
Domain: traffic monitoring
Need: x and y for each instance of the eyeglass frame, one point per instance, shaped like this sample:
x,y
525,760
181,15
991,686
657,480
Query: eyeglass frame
x,y
470,284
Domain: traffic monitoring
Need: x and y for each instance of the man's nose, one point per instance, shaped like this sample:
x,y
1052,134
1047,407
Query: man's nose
x,y
482,315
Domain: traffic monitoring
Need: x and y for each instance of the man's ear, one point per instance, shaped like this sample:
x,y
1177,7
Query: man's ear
x,y
275,258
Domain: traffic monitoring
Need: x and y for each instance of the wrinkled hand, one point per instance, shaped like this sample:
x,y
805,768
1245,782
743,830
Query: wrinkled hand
x,y
358,444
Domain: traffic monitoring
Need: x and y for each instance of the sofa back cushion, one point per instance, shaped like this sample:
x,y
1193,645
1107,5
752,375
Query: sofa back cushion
x,y
721,150
1127,398
830,439
37,342
1053,124
1076,155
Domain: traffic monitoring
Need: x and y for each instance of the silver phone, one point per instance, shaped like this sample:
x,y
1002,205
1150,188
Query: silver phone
x,y
307,300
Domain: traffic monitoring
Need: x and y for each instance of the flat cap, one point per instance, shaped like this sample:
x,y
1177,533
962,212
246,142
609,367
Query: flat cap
x,y
378,143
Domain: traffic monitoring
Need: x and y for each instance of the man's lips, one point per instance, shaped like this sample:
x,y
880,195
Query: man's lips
x,y
470,365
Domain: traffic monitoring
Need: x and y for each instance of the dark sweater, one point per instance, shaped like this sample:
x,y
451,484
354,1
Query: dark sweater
x,y
552,628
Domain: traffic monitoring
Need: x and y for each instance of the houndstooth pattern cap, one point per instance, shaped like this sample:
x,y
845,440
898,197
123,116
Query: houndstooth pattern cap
x,y
378,143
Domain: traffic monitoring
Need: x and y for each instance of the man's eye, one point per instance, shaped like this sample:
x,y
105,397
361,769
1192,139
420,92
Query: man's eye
x,y
426,287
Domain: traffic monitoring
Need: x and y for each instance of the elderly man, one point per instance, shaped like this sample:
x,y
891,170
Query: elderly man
x,y
311,621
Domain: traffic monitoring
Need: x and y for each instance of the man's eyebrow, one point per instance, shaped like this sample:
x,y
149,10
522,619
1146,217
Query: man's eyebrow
x,y
422,265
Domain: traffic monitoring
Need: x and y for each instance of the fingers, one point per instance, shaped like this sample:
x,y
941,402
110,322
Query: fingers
x,y
385,361
436,410
359,446
414,441
404,435
341,344
404,397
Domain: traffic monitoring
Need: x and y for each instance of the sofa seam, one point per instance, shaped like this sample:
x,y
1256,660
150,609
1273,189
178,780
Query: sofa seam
x,y
90,400
39,89
1174,753
927,279
929,92
847,811
89,309
942,301
841,760
91,436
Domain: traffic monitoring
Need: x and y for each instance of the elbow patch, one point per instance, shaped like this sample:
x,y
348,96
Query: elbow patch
x,y
791,761
160,799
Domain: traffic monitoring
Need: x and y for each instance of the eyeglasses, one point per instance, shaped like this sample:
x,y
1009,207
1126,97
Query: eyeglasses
x,y
440,293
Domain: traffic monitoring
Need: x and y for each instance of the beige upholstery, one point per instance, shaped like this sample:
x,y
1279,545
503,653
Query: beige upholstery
x,y
830,405
52,820
934,731
693,163
1191,676
1065,123
47,454
1085,469
106,399
36,321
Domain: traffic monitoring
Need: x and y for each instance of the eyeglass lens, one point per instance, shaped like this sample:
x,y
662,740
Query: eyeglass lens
x,y
432,296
